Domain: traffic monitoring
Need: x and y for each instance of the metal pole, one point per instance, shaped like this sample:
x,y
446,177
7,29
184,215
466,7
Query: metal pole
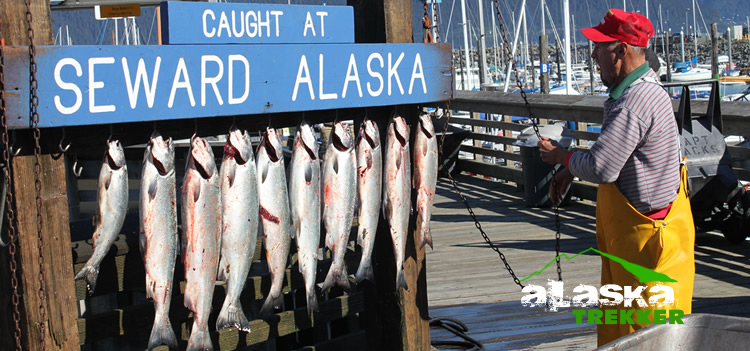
x,y
543,77
575,42
624,8
695,31
543,29
646,9
591,67
566,17
729,44
528,56
467,65
667,38
715,50
682,44
494,40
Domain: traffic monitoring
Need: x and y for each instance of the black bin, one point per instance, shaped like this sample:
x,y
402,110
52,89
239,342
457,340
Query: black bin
x,y
537,175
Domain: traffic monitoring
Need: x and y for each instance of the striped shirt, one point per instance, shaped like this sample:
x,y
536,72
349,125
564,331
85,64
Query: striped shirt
x,y
638,148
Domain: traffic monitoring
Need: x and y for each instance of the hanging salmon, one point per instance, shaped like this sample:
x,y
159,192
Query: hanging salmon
x,y
239,201
425,174
304,200
158,233
274,214
397,191
339,197
112,206
369,188
201,225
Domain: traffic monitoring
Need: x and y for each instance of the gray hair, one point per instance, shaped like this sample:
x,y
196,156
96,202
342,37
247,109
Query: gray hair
x,y
639,50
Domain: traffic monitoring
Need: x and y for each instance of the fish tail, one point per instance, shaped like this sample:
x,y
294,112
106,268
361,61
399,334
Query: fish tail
x,y
401,279
232,315
337,276
89,274
162,334
312,302
270,303
200,340
364,272
426,235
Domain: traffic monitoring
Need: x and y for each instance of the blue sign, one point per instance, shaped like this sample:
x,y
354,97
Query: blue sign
x,y
83,85
214,23
544,68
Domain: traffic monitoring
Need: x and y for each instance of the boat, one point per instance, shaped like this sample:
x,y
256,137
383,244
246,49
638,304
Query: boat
x,y
687,74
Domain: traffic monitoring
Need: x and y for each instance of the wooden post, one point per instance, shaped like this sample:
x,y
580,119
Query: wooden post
x,y
714,51
543,77
668,41
591,67
476,129
395,320
60,324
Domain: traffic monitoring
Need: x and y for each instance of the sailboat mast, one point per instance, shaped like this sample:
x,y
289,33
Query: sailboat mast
x,y
695,31
467,67
494,41
481,48
515,45
566,18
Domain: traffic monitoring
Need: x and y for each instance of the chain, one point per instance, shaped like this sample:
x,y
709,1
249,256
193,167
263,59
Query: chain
x,y
34,114
435,22
9,212
536,131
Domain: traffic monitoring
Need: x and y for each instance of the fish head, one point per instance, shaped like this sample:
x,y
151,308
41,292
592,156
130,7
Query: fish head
x,y
162,153
400,130
341,138
115,154
425,125
370,133
239,146
271,143
306,138
202,157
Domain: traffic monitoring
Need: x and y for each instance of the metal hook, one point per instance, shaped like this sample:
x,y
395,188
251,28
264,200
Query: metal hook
x,y
109,138
234,123
13,144
77,170
63,149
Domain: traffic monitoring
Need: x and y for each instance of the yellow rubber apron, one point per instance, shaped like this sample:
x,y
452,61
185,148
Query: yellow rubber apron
x,y
665,246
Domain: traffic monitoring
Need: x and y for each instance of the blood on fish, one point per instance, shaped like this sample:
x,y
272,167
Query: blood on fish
x,y
268,216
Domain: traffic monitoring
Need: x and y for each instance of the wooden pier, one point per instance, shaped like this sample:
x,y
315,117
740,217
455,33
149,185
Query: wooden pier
x,y
467,280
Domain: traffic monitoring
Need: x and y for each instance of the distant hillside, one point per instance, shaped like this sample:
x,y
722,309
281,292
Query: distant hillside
x,y
84,29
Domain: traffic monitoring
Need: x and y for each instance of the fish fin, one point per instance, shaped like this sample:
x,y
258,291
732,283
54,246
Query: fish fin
x,y
336,276
232,316
196,193
263,171
89,274
364,272
152,190
398,160
342,280
221,272
232,171
107,179
426,235
162,334
312,302
271,303
401,280
335,164
142,243
308,173
200,339
361,236
386,206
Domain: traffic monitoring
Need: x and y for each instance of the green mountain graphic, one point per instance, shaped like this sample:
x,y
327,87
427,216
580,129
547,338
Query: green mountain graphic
x,y
645,275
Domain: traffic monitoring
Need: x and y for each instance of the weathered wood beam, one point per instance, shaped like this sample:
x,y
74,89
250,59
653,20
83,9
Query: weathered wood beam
x,y
60,330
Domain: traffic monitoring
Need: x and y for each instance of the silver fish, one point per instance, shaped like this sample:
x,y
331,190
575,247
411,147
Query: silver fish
x,y
158,233
369,187
304,200
425,174
397,191
339,197
274,214
112,206
239,201
201,224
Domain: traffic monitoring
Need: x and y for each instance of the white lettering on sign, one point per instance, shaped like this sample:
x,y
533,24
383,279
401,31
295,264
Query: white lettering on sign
x,y
233,100
352,75
95,84
311,26
141,76
324,96
303,69
250,24
374,74
415,74
184,84
68,86
211,80
393,73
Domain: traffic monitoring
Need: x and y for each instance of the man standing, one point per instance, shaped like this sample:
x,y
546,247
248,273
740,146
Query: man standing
x,y
643,209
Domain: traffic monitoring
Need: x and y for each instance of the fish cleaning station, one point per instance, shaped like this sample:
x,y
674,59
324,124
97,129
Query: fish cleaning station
x,y
307,177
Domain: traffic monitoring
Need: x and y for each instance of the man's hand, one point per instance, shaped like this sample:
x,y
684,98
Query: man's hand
x,y
560,185
552,152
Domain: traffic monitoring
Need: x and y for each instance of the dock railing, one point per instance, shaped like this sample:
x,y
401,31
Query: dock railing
x,y
582,109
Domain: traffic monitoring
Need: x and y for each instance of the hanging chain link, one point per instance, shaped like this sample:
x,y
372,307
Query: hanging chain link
x,y
10,214
555,206
34,114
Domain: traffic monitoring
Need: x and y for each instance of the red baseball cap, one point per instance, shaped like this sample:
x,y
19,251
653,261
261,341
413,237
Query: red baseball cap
x,y
632,28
